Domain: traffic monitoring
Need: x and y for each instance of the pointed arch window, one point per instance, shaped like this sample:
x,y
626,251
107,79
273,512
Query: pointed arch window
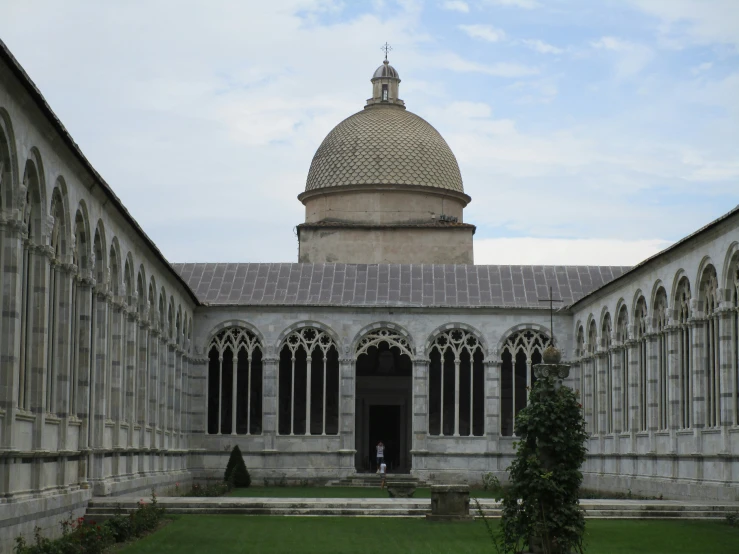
x,y
640,334
607,396
456,385
735,335
235,383
682,312
521,351
660,323
711,337
622,334
308,384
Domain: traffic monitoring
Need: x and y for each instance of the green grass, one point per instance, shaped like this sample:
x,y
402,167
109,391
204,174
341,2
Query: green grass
x,y
335,492
227,534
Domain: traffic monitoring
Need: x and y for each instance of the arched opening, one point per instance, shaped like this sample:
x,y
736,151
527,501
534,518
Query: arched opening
x,y
641,329
308,384
520,353
456,385
709,298
235,383
660,323
384,373
682,315
622,335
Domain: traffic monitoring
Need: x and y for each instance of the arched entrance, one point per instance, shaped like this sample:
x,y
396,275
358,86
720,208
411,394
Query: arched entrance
x,y
383,400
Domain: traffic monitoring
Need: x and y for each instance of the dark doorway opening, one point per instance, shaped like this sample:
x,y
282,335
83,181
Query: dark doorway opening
x,y
384,425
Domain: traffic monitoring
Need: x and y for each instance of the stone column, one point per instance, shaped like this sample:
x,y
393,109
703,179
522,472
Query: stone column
x,y
142,379
600,364
115,412
727,385
633,375
98,398
11,263
420,423
131,377
83,370
152,420
492,367
347,404
617,378
673,388
698,376
177,403
652,392
270,397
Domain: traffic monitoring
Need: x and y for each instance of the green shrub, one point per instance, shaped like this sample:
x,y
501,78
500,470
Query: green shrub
x,y
236,471
541,504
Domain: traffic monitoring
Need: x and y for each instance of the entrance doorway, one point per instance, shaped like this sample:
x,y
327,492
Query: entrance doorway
x,y
384,425
383,396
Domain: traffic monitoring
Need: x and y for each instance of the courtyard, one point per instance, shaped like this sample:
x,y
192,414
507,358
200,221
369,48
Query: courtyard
x,y
228,534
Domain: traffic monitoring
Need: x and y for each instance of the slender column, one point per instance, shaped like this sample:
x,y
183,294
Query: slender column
x,y
292,396
347,403
472,395
491,399
234,386
456,396
177,419
309,363
633,391
132,381
600,365
250,363
98,398
698,376
325,361
220,389
673,388
270,397
616,393
652,392
142,402
11,295
441,411
153,415
727,387
420,422
171,388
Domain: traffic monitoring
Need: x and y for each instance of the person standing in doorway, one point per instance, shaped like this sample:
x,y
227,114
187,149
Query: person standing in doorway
x,y
380,455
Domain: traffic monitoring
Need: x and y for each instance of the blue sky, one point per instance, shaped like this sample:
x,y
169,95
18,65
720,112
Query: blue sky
x,y
591,132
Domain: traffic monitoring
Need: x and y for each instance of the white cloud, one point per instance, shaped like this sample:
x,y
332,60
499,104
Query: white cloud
x,y
542,47
701,68
500,69
543,251
525,4
629,57
696,21
483,32
456,6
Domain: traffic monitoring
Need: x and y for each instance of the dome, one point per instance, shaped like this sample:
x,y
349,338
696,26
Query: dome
x,y
386,71
384,144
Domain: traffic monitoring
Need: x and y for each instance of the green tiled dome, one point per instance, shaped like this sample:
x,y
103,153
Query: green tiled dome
x,y
384,144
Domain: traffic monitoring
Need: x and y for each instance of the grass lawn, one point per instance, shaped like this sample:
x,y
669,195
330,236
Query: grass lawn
x,y
226,534
336,492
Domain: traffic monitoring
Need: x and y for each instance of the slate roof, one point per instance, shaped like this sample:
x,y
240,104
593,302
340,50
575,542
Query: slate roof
x,y
423,285
384,144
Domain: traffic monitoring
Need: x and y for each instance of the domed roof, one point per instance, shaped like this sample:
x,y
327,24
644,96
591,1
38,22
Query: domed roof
x,y
384,144
386,70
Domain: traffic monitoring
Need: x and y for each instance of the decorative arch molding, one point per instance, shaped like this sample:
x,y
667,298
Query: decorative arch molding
x,y
64,227
679,274
704,263
515,329
34,156
604,312
240,323
731,263
638,295
9,189
282,337
403,341
443,329
655,291
83,252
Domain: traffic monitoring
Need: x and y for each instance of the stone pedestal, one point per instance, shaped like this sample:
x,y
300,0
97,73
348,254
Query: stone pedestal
x,y
450,503
402,489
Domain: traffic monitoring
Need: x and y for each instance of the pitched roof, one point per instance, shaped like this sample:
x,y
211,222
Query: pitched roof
x,y
406,285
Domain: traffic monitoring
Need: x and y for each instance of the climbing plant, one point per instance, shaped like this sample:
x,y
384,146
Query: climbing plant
x,y
541,505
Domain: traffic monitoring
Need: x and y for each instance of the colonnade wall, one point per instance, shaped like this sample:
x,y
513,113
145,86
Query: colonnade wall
x,y
439,451
95,332
658,354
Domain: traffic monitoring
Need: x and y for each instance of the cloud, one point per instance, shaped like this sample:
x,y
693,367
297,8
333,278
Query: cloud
x,y
701,68
543,251
456,6
500,69
542,47
695,21
629,57
525,4
483,32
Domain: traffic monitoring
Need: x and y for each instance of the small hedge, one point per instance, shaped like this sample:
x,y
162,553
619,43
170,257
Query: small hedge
x,y
87,537
236,471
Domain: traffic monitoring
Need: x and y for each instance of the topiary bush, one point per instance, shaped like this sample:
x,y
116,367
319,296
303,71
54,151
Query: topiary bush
x,y
236,471
541,506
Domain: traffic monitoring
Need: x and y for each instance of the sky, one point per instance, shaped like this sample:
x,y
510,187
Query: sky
x,y
587,132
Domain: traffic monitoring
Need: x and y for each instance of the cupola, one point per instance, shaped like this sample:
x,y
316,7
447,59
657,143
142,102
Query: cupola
x,y
385,84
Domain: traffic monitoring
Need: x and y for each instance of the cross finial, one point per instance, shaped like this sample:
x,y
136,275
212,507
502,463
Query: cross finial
x,y
551,311
386,48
